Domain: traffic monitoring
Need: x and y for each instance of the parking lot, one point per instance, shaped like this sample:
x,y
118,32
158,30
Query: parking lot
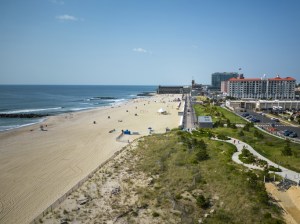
x,y
266,122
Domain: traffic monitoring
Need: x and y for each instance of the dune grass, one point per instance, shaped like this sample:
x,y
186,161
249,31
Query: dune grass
x,y
187,187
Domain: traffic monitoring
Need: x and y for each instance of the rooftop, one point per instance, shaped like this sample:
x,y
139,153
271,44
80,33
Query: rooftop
x,y
277,78
205,119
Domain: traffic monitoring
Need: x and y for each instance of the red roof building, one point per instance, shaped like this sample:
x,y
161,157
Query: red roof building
x,y
260,88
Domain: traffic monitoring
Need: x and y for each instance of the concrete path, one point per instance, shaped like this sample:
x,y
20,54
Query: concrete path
x,y
286,173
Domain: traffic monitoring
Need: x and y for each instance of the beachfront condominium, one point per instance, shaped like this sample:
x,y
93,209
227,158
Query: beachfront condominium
x,y
218,77
260,88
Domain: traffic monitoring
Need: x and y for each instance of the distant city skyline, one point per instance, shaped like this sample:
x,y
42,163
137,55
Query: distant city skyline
x,y
134,42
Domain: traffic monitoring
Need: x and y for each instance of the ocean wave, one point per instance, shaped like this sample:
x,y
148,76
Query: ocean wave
x,y
80,108
101,98
29,110
10,127
119,101
104,97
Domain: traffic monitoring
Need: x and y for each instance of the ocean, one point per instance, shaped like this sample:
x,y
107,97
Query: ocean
x,y
39,100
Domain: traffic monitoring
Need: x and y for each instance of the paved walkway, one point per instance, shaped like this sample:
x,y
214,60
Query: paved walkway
x,y
286,173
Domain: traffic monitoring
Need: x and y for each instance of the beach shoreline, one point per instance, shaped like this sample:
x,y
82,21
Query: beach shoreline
x,y
46,117
38,166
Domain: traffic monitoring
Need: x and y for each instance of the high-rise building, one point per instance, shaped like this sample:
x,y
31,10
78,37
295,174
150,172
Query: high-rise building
x,y
218,77
260,88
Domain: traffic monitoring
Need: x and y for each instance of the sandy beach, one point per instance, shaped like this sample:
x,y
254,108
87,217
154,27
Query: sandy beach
x,y
289,201
37,167
110,195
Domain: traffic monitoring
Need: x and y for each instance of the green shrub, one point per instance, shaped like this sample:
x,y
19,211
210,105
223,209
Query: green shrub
x,y
246,156
222,137
202,202
274,169
287,151
202,155
241,134
258,134
155,214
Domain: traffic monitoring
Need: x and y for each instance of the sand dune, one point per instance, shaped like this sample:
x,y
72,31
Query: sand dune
x,y
37,167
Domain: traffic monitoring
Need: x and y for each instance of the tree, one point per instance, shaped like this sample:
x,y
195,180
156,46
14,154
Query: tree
x,y
233,126
246,128
202,144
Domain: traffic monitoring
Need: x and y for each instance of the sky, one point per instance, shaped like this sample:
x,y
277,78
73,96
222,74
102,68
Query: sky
x,y
143,42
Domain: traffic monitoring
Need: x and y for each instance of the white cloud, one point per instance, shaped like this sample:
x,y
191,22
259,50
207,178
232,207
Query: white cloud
x,y
66,18
141,50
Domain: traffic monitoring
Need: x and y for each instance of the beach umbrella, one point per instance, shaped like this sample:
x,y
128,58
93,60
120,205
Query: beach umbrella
x,y
161,110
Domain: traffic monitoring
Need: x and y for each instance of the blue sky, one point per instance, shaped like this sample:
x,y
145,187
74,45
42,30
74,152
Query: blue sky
x,y
146,42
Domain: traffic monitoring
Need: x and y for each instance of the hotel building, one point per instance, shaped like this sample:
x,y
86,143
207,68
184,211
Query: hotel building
x,y
260,88
218,77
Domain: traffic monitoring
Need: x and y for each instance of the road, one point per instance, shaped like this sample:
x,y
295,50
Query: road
x,y
189,114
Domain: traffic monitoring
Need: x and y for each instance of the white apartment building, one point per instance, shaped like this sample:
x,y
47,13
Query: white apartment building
x,y
260,88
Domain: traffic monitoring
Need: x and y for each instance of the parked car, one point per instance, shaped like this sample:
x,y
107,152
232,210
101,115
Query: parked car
x,y
245,114
287,132
254,119
293,135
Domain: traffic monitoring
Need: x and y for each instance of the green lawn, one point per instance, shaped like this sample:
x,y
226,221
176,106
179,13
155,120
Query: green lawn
x,y
231,116
218,113
203,111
